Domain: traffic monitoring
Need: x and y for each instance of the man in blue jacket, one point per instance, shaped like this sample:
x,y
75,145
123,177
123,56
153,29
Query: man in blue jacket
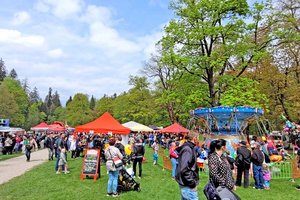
x,y
187,170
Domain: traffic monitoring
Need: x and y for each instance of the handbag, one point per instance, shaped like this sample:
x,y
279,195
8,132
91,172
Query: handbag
x,y
224,193
117,162
210,191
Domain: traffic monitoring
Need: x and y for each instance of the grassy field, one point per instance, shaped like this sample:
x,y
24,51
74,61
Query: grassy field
x,y
5,157
156,184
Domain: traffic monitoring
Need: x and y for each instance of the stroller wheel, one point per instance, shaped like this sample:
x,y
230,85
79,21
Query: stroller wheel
x,y
120,188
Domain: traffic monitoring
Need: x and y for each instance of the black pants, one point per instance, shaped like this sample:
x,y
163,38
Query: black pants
x,y
135,161
240,171
27,153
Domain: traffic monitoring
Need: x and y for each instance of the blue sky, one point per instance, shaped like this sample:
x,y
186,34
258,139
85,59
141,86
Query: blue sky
x,y
87,46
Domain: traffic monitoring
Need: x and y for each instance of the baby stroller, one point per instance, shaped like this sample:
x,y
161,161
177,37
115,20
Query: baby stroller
x,y
126,182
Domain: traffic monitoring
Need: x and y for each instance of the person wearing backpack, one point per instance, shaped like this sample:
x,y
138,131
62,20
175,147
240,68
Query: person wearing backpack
x,y
242,162
257,158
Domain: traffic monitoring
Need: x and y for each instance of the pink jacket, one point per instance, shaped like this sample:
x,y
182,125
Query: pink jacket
x,y
267,175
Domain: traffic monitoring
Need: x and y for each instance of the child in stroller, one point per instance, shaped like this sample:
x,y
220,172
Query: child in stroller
x,y
126,182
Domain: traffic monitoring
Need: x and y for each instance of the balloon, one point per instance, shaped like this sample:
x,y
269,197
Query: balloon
x,y
276,158
128,149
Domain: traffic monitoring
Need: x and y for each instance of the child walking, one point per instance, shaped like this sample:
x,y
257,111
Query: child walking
x,y
266,176
62,163
155,147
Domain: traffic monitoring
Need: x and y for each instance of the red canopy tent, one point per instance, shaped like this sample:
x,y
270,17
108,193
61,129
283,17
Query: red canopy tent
x,y
56,128
174,128
104,124
41,126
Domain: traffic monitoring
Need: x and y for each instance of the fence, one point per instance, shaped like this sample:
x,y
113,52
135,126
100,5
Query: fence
x,y
279,170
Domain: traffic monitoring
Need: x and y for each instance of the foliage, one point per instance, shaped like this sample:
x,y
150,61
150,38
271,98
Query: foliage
x,y
209,38
2,70
244,92
8,106
78,110
20,98
34,96
92,103
60,114
105,104
34,115
13,74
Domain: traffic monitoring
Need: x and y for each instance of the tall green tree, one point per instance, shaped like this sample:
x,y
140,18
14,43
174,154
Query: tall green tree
x,y
20,97
92,103
286,56
34,96
104,104
8,107
244,92
34,115
176,90
208,38
69,100
137,104
13,74
78,110
2,70
56,100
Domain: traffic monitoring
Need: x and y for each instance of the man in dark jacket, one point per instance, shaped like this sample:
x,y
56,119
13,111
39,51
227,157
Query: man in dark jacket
x,y
257,158
138,154
243,160
49,144
187,170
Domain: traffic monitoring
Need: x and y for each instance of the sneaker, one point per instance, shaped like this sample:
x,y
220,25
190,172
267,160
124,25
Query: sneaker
x,y
57,172
139,177
115,195
298,187
66,172
108,194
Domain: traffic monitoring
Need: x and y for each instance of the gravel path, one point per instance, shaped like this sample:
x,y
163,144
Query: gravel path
x,y
14,167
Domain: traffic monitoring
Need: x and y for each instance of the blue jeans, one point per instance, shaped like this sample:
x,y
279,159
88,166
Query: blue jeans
x,y
188,193
174,163
258,176
112,182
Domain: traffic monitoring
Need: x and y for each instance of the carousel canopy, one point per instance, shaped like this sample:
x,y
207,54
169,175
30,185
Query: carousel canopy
x,y
134,126
104,124
174,128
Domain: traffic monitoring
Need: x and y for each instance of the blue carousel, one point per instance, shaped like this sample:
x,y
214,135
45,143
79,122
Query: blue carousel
x,y
227,123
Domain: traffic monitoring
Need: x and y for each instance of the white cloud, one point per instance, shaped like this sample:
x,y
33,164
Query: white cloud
x,y
103,35
16,37
21,18
97,13
148,43
109,39
60,8
55,53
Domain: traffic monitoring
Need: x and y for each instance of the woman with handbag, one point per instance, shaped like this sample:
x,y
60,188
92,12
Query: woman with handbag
x,y
220,174
113,156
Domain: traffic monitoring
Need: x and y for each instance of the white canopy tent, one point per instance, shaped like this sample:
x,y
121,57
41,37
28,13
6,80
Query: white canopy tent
x,y
137,127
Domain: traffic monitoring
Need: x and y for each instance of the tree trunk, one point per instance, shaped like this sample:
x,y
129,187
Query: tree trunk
x,y
172,115
211,87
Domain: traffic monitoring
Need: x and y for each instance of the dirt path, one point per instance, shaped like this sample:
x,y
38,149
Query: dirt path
x,y
14,167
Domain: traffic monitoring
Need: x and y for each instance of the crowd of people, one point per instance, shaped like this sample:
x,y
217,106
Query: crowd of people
x,y
184,151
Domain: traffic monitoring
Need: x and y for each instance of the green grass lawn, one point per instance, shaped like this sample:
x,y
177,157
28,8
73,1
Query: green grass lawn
x,y
5,157
156,184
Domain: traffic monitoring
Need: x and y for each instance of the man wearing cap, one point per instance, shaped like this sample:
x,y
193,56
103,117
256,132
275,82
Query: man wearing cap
x,y
257,158
243,164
